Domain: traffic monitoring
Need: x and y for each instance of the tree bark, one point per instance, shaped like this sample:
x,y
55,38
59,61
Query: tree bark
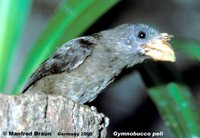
x,y
40,114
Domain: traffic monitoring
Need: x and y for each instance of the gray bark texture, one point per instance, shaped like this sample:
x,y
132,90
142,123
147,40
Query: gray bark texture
x,y
43,115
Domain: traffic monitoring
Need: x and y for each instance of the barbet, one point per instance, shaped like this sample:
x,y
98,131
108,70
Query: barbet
x,y
81,68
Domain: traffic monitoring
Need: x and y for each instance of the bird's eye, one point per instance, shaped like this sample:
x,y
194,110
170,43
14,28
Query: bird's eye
x,y
142,35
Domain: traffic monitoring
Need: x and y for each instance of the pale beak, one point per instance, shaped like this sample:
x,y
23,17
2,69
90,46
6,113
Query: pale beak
x,y
159,49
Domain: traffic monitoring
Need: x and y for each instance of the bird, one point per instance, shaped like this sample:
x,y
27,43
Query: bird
x,y
81,68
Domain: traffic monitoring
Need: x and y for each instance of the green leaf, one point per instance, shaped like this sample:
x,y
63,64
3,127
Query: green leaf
x,y
173,101
71,18
13,15
189,48
177,109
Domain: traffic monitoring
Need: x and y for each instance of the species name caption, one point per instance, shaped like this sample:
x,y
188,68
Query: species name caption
x,y
138,134
37,133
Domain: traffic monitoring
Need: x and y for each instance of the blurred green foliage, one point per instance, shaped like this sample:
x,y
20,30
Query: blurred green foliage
x,y
13,14
189,48
72,18
178,110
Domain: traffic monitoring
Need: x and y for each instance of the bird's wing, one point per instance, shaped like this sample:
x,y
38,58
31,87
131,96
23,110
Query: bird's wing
x,y
66,58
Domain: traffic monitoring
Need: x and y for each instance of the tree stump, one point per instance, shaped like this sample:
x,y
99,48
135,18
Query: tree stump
x,y
40,114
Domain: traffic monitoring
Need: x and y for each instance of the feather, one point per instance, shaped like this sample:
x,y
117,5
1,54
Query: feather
x,y
67,58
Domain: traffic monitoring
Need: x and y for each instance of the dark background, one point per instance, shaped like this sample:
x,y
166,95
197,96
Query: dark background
x,y
126,101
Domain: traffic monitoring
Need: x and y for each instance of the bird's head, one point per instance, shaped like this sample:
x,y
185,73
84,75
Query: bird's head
x,y
139,41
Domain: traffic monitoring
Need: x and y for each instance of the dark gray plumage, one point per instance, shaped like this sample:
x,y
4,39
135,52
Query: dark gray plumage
x,y
83,67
